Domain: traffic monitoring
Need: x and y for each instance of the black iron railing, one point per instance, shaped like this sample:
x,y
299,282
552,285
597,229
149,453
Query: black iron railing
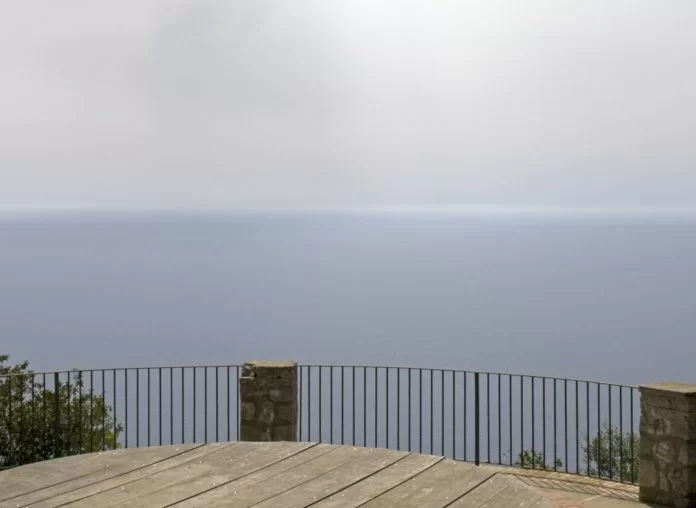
x,y
581,427
54,414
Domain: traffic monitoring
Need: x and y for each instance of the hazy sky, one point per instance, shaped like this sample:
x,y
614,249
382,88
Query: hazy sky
x,y
323,103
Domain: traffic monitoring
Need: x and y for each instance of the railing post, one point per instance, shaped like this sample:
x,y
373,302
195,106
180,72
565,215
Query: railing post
x,y
477,422
668,444
56,416
268,410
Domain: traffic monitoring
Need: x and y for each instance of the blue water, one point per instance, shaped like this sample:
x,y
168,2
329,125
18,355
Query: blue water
x,y
611,299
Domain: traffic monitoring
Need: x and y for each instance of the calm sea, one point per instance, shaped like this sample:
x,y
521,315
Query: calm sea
x,y
611,299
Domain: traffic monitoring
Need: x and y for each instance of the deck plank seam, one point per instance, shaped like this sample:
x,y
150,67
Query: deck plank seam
x,y
140,477
440,459
361,479
484,480
95,472
278,461
331,469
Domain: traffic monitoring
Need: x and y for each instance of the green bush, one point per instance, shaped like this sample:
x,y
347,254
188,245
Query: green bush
x,y
612,455
30,427
535,459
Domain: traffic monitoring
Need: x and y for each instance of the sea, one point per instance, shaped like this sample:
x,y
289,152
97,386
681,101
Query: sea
x,y
601,298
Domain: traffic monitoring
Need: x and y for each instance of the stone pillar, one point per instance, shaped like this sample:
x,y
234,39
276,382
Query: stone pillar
x,y
268,392
668,444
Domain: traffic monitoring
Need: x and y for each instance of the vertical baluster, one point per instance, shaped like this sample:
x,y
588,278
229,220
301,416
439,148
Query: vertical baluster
x,y
477,422
454,416
430,372
442,412
420,410
352,391
522,419
565,422
621,435
533,429
148,405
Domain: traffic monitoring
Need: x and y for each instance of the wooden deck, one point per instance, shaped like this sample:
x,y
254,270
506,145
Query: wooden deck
x,y
268,475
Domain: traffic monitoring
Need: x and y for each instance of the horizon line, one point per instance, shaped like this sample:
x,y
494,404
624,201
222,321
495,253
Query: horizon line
x,y
483,210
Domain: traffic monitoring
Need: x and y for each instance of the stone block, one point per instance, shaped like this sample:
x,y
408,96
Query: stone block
x,y
287,414
250,389
677,396
267,413
248,411
648,474
668,444
285,433
268,392
283,393
668,422
249,433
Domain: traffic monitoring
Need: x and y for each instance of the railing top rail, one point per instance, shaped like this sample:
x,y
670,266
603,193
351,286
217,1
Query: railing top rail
x,y
472,371
312,365
109,369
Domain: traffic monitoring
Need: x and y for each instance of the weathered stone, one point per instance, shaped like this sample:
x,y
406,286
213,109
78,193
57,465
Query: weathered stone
x,y
667,422
266,413
286,394
664,452
268,392
250,433
285,433
648,474
248,411
678,396
250,389
287,414
668,444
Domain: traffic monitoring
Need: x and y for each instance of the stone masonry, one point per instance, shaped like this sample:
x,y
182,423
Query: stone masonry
x,y
668,444
268,392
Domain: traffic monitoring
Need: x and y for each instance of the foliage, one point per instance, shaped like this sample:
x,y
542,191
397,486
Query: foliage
x,y
535,459
613,455
39,422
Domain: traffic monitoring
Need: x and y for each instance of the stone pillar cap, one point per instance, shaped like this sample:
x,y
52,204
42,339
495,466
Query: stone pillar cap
x,y
271,364
685,389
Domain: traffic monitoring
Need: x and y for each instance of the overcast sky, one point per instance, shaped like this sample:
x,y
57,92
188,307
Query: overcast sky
x,y
334,103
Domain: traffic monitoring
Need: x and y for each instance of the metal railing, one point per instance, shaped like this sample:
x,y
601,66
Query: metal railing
x,y
575,426
581,427
54,414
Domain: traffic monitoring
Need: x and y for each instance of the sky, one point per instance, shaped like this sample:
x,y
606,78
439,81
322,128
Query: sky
x,y
211,104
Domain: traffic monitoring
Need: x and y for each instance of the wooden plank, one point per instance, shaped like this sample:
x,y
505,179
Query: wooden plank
x,y
189,479
335,480
34,477
221,494
384,480
437,486
259,492
502,491
484,492
103,480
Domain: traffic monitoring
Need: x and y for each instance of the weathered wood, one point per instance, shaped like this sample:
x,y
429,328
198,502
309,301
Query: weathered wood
x,y
437,486
221,495
300,475
263,475
502,491
42,475
335,480
194,477
90,485
382,481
